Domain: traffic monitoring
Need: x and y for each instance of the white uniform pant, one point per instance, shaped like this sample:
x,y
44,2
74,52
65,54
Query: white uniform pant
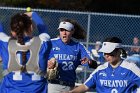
x,y
57,88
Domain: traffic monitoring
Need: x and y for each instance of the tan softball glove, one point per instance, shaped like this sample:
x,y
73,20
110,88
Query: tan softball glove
x,y
52,70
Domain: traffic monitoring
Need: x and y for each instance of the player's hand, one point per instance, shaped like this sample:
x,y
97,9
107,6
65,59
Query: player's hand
x,y
84,60
29,11
51,63
29,14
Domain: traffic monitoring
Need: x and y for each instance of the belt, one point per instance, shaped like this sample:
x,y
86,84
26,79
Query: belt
x,y
62,83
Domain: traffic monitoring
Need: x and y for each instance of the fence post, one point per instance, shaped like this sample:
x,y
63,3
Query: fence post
x,y
87,42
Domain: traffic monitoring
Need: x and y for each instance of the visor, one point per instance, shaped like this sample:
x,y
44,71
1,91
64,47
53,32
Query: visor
x,y
66,25
108,47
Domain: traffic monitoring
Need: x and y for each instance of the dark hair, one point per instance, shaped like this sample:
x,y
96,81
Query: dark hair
x,y
79,32
20,23
121,52
113,40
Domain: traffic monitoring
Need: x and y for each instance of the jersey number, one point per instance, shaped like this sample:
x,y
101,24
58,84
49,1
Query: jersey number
x,y
67,66
114,91
18,76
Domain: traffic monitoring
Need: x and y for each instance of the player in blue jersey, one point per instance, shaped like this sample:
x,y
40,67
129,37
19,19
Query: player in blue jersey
x,y
69,55
24,55
98,56
114,76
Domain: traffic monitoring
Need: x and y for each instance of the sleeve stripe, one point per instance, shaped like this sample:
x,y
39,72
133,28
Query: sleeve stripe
x,y
4,37
87,51
131,66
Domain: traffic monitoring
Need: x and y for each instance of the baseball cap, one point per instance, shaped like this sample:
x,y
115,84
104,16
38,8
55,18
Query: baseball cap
x,y
108,47
66,25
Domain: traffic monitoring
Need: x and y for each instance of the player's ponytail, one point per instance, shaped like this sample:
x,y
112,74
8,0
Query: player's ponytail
x,y
20,24
123,54
79,32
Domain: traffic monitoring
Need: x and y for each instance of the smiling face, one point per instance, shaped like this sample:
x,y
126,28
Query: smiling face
x,y
65,35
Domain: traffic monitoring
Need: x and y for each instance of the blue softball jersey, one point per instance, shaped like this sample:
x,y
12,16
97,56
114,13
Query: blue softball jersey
x,y
123,79
25,82
68,57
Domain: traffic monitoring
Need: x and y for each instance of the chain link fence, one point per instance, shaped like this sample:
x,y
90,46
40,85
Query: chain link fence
x,y
98,25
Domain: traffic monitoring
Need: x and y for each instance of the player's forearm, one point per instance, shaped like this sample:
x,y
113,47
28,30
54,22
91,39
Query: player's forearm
x,y
80,89
42,28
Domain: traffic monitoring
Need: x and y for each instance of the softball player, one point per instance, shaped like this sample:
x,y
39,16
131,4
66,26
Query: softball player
x,y
23,56
94,51
69,54
114,76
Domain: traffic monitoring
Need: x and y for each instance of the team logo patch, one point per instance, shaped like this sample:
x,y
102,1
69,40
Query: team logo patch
x,y
56,49
102,74
122,73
